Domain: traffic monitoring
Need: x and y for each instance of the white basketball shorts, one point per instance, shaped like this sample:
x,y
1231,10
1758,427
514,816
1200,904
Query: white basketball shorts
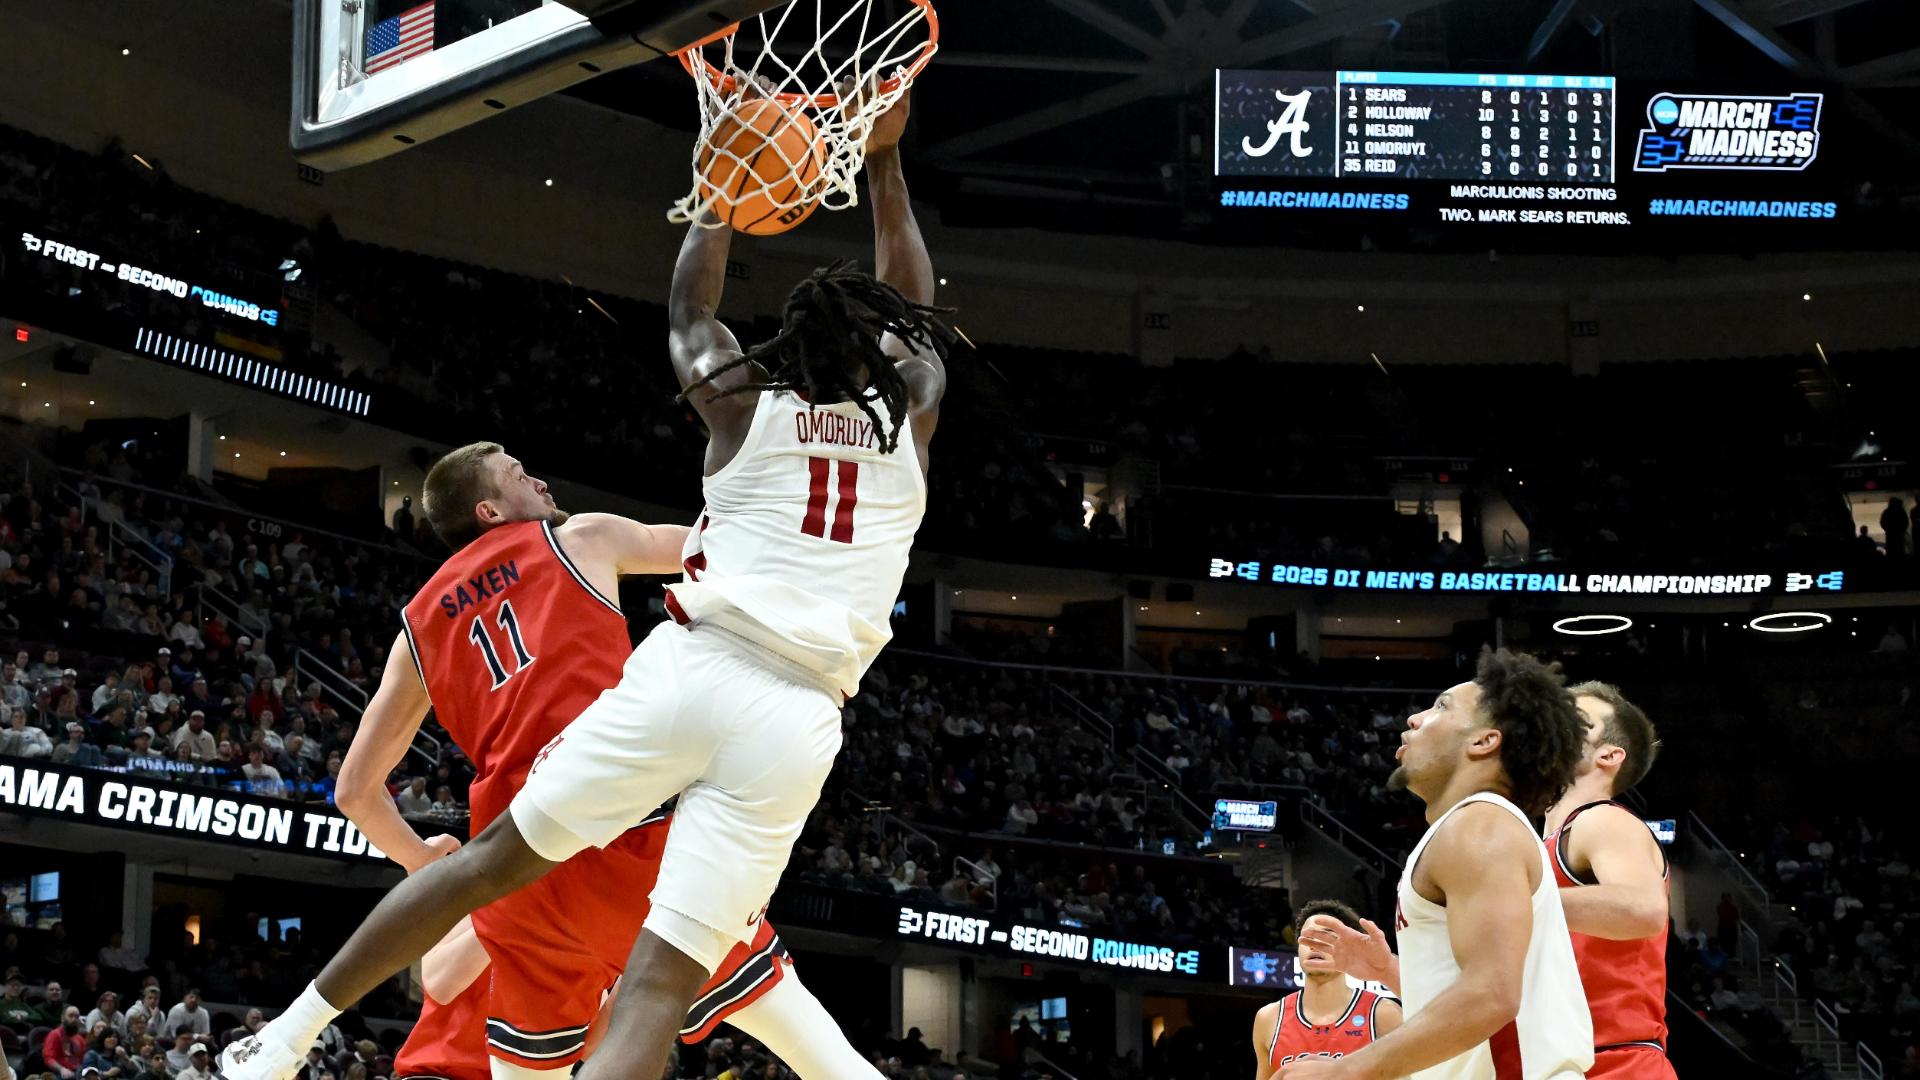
x,y
700,714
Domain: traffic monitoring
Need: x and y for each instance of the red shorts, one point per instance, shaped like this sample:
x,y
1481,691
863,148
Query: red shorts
x,y
558,945
1631,1063
448,1042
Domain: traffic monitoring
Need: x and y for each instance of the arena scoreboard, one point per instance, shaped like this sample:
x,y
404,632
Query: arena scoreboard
x,y
1584,154
1418,125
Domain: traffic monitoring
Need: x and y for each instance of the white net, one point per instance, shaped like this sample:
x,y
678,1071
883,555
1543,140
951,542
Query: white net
x,y
834,64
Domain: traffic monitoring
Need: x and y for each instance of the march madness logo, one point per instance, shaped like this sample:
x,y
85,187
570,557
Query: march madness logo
x,y
1730,132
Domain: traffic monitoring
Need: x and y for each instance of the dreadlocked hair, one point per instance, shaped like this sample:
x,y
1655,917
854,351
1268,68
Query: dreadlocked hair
x,y
830,328
1542,733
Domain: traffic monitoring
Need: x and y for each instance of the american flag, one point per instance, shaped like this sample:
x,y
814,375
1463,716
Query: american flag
x,y
397,40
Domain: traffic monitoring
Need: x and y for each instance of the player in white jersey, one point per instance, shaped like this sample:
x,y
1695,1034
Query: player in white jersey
x,y
815,484
1486,969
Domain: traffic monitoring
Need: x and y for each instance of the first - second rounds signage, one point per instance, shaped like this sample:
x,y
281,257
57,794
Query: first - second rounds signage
x,y
95,262
127,800
1029,942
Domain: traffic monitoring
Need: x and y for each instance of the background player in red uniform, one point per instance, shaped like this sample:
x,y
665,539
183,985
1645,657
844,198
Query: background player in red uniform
x,y
1326,1017
527,581
1613,885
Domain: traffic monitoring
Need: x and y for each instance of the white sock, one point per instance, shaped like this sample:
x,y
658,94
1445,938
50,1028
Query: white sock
x,y
303,1021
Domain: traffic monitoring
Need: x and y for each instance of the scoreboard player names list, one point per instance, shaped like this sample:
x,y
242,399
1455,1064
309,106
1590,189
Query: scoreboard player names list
x,y
1445,126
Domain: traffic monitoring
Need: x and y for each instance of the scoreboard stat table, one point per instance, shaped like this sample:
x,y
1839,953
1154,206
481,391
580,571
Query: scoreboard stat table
x,y
1475,127
1403,125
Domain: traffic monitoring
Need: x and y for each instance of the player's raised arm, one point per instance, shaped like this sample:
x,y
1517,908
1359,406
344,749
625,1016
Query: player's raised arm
x,y
899,251
1630,900
698,341
392,719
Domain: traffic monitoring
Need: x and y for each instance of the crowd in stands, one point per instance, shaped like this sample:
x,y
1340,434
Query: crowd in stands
x,y
1847,931
960,785
567,377
67,1008
109,668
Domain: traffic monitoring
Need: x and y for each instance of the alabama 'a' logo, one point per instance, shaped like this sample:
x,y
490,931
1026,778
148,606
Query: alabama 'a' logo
x,y
1292,123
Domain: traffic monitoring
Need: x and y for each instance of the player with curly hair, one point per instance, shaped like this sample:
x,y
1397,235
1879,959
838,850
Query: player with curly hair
x,y
1486,968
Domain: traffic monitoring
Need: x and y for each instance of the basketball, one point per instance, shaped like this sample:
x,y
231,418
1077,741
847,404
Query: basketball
x,y
762,166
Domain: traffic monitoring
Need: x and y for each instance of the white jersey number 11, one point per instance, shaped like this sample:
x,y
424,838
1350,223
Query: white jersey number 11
x,y
815,523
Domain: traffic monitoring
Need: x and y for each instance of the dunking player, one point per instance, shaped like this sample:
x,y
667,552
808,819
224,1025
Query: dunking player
x,y
1485,966
1613,883
526,582
815,485
1325,1018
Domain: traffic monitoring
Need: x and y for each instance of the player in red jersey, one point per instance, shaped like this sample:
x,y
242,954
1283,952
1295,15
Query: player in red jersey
x,y
528,582
1326,1017
1613,886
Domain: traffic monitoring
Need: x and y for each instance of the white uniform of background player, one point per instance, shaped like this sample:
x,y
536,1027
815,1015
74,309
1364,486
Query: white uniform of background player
x,y
1486,968
1552,1038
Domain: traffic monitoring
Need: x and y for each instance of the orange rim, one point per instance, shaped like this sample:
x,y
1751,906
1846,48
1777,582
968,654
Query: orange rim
x,y
698,66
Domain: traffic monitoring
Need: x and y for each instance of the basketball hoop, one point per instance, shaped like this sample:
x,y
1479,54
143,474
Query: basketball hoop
x,y
829,44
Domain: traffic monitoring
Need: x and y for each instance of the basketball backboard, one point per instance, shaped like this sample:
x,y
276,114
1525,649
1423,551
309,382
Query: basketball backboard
x,y
373,77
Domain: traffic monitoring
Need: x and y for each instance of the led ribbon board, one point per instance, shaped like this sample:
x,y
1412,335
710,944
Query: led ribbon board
x,y
134,801
1558,581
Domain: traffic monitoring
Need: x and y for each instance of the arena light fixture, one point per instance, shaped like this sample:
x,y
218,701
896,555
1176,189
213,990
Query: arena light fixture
x,y
1789,622
1592,625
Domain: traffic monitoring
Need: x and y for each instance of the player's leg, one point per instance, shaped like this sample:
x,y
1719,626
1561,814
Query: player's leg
x,y
660,983
615,763
547,979
405,924
797,1028
421,910
732,834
